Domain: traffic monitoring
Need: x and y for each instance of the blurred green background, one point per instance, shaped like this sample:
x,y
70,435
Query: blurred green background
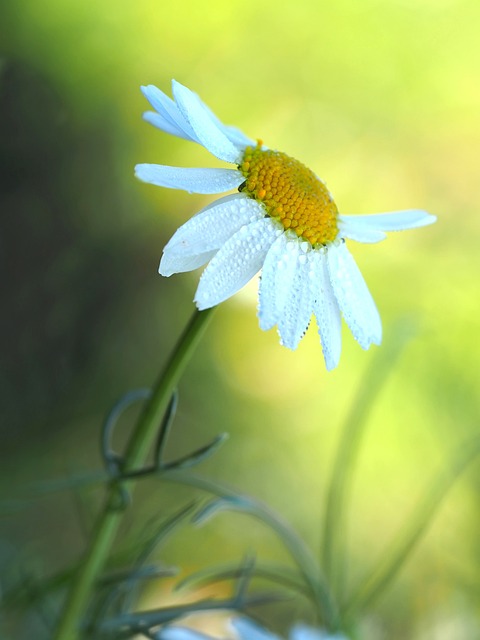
x,y
381,99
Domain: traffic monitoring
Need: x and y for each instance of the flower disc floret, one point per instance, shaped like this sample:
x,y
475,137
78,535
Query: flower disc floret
x,y
290,193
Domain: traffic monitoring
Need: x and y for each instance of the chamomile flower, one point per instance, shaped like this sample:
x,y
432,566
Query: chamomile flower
x,y
282,220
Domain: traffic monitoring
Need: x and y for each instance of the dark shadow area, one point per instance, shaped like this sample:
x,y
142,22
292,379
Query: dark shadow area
x,y
59,280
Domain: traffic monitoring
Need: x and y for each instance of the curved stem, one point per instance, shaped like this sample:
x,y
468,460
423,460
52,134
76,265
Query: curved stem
x,y
140,442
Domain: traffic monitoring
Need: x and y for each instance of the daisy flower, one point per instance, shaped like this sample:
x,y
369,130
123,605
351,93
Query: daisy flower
x,y
282,220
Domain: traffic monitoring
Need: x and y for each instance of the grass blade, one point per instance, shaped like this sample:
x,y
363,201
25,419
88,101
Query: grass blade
x,y
401,548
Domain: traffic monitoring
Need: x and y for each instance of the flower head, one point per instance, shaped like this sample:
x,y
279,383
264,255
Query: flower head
x,y
282,221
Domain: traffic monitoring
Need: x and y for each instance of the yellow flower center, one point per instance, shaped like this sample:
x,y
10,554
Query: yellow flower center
x,y
290,193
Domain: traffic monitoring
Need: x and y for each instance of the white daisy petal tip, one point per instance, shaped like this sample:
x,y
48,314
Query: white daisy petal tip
x,y
172,262
427,218
146,90
353,297
151,92
412,218
139,172
373,227
204,300
206,128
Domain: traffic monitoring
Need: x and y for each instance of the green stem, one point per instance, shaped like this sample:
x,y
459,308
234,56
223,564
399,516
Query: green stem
x,y
140,442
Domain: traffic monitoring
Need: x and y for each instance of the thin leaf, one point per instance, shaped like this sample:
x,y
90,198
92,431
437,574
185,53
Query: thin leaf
x,y
317,586
167,528
402,547
283,576
128,583
128,623
199,455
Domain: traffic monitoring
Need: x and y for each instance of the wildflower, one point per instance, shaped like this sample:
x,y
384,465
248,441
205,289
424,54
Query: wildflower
x,y
282,221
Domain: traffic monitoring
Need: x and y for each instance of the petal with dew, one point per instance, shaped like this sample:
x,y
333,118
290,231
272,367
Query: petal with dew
x,y
211,136
157,120
359,233
214,225
236,263
191,180
169,113
267,309
177,263
237,136
393,221
234,134
298,307
353,297
326,310
286,273
277,279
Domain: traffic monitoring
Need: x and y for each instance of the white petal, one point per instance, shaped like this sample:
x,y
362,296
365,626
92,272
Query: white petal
x,y
177,263
236,136
393,221
298,307
165,125
206,129
191,180
359,232
213,226
327,312
286,273
171,115
267,309
248,630
353,296
277,278
235,263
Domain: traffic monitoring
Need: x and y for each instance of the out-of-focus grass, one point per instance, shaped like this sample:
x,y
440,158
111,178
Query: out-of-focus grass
x,y
381,99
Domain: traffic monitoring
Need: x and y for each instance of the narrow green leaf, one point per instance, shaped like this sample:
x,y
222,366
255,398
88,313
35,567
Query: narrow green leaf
x,y
280,575
319,590
402,547
199,455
